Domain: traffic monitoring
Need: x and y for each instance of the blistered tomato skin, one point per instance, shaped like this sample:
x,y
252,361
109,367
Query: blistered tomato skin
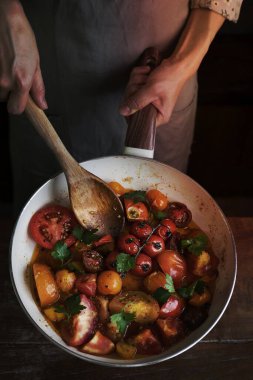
x,y
136,211
143,265
128,244
158,201
174,264
93,261
154,246
166,229
172,308
180,214
141,230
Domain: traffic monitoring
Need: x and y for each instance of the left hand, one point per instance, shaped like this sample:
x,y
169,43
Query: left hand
x,y
159,87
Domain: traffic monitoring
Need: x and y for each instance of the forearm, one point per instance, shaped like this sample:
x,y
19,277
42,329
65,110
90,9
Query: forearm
x,y
195,40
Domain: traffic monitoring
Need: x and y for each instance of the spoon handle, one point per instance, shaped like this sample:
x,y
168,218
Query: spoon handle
x,y
43,126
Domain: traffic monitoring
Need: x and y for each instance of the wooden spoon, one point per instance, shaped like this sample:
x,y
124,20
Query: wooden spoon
x,y
93,202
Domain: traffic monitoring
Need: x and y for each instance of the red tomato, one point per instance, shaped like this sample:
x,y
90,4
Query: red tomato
x,y
51,224
104,240
143,265
173,264
128,244
158,201
135,211
166,229
87,284
141,230
173,307
180,214
154,246
110,261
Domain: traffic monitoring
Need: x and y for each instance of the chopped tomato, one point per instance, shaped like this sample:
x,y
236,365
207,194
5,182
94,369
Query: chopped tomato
x,y
51,224
173,264
136,211
158,201
104,240
172,308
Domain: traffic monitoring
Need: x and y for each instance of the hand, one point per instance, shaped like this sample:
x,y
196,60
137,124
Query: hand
x,y
19,59
160,87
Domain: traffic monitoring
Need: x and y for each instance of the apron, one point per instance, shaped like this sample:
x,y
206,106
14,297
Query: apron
x,y
87,50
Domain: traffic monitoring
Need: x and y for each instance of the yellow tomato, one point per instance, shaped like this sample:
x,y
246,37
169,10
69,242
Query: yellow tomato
x,y
109,282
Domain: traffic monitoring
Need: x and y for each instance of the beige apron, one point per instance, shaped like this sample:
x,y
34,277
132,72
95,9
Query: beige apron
x,y
87,50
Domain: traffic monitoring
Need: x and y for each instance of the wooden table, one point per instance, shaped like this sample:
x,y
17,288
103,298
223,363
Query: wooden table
x,y
226,352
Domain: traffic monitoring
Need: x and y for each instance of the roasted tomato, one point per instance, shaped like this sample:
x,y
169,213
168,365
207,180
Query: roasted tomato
x,y
51,224
180,214
103,240
143,265
136,211
147,343
110,261
109,282
93,262
166,229
87,284
158,201
173,264
173,307
117,188
154,246
128,244
141,230
154,281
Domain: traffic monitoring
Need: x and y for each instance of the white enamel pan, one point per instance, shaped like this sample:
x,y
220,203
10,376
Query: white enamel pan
x,y
136,173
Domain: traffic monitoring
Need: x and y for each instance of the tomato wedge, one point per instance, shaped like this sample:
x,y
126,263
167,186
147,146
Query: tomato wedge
x,y
51,224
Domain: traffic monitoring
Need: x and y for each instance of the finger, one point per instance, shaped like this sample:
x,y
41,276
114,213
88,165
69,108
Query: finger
x,y
5,86
131,89
138,79
19,94
38,90
137,101
140,70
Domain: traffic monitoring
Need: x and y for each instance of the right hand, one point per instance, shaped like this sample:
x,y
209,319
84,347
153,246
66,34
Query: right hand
x,y
19,60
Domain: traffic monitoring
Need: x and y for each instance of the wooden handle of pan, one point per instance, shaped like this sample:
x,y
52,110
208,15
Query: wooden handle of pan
x,y
141,131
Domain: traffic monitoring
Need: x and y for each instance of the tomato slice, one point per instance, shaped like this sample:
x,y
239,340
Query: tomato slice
x,y
51,224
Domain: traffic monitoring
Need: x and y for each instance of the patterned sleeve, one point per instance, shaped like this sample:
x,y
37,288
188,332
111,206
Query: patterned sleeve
x,y
230,9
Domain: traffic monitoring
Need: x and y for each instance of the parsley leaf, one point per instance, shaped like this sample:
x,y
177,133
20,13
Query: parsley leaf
x,y
136,196
75,266
122,320
60,251
161,295
71,306
85,236
196,287
195,245
169,284
124,262
160,215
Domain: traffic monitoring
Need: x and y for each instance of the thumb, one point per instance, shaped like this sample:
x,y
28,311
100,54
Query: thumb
x,y
136,102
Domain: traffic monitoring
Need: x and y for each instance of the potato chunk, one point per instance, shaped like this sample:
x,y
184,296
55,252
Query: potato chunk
x,y
46,285
145,307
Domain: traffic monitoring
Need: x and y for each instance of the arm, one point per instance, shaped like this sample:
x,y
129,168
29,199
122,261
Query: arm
x,y
162,86
19,59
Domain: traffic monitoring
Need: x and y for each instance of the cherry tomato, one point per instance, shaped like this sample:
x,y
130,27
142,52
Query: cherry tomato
x,y
93,262
110,261
173,264
180,214
141,230
117,188
143,265
172,308
128,244
103,240
154,281
87,284
154,246
109,282
136,211
166,229
158,201
51,224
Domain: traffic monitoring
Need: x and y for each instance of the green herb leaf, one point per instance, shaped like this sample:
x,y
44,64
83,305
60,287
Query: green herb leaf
x,y
85,236
71,306
74,266
136,196
124,262
169,284
196,287
195,245
122,320
161,295
160,215
60,251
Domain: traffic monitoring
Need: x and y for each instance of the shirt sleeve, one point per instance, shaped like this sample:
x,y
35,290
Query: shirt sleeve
x,y
230,9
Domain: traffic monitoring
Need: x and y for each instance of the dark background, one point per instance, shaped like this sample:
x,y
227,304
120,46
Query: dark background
x,y
222,151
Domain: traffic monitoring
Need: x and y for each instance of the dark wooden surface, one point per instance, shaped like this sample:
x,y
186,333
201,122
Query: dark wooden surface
x,y
226,353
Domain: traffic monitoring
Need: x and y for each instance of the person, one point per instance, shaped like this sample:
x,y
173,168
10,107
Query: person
x,y
77,59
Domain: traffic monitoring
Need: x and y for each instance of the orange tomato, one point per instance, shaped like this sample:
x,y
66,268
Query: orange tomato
x,y
154,281
173,264
109,282
117,188
158,201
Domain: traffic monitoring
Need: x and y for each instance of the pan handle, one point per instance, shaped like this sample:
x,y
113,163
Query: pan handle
x,y
141,131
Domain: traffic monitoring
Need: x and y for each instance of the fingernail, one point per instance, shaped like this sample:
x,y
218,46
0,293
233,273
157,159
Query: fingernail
x,y
44,104
125,110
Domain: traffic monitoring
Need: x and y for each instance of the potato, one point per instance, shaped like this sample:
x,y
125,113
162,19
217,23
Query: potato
x,y
145,307
65,280
98,345
52,315
125,350
46,285
200,299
